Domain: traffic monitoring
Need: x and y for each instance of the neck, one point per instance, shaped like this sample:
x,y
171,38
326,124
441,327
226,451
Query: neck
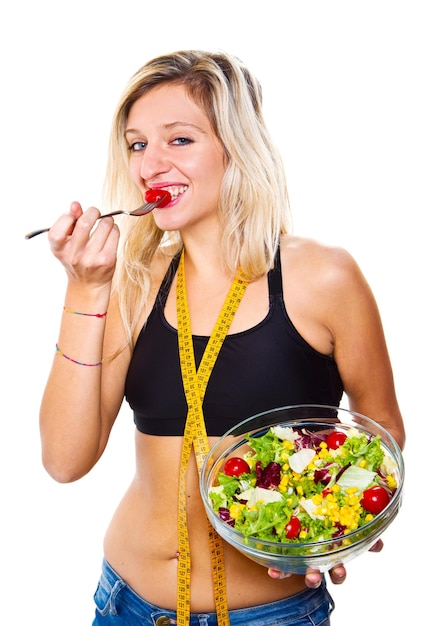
x,y
203,257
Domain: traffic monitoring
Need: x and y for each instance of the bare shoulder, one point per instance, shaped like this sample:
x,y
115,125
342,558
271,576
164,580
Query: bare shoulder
x,y
326,267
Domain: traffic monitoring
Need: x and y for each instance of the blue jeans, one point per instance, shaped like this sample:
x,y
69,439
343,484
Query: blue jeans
x,y
118,604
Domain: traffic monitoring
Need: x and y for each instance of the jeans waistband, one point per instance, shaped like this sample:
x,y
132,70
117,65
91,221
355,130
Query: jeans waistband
x,y
298,605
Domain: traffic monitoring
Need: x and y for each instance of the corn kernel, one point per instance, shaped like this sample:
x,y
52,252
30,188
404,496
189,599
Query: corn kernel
x,y
284,480
391,482
352,500
235,511
302,534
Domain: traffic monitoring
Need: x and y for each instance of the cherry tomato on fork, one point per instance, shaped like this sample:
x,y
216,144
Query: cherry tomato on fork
x,y
153,195
236,466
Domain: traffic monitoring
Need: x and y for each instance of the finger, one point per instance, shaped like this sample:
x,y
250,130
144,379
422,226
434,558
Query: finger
x,y
75,209
377,547
338,574
61,230
66,225
277,574
84,225
100,251
104,229
313,578
110,246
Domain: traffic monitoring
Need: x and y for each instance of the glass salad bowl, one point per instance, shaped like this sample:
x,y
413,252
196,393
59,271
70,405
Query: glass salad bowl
x,y
292,488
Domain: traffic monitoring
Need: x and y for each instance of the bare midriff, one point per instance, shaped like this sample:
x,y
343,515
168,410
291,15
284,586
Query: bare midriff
x,y
141,543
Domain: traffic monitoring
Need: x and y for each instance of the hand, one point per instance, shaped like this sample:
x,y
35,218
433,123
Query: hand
x,y
313,577
86,249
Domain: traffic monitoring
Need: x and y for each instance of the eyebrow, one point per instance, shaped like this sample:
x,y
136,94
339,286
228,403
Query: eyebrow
x,y
171,126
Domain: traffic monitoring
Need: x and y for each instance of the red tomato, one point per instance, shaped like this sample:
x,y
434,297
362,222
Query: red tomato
x,y
375,499
293,527
335,439
153,195
236,466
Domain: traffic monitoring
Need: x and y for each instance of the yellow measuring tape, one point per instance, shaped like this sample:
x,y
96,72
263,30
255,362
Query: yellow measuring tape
x,y
195,383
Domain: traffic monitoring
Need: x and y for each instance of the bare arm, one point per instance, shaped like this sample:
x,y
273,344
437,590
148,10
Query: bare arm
x,y
331,304
360,350
81,402
362,357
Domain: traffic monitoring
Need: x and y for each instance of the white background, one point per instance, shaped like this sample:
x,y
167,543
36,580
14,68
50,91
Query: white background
x,y
352,94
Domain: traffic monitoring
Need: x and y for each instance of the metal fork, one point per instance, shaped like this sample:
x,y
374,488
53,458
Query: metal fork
x,y
142,210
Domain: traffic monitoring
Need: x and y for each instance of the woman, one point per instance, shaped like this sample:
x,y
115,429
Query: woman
x,y
191,124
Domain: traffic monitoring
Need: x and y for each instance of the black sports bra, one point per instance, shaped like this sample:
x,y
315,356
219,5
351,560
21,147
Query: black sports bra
x,y
262,368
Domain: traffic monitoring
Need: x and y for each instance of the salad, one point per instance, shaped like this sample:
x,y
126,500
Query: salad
x,y
299,486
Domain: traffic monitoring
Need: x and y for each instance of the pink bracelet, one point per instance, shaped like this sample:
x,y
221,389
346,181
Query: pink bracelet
x,y
65,308
58,351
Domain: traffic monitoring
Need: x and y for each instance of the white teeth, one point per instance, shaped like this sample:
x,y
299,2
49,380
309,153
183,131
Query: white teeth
x,y
176,191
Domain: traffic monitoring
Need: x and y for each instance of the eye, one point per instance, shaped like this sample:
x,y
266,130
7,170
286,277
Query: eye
x,y
137,146
182,141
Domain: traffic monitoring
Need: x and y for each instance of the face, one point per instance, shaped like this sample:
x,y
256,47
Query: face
x,y
172,146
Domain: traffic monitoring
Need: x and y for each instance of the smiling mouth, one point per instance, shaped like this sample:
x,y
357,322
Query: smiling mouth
x,y
176,191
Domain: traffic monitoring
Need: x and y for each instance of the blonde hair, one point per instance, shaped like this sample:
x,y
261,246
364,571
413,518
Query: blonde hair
x,y
253,206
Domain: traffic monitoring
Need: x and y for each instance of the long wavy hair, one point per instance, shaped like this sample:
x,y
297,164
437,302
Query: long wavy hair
x,y
253,206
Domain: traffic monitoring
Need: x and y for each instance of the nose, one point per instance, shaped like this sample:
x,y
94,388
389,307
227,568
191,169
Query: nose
x,y
154,162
